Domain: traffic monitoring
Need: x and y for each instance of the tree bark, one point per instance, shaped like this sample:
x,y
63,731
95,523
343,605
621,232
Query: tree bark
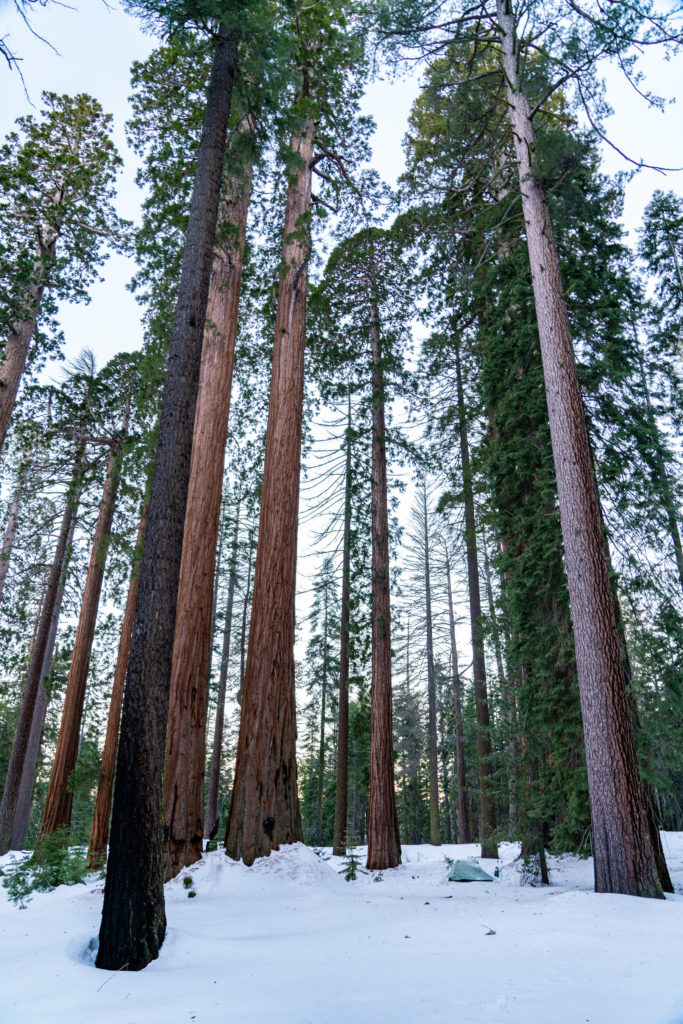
x,y
445,779
215,766
342,788
434,828
245,609
10,531
264,810
99,832
384,844
489,847
17,345
321,747
59,800
133,919
35,670
506,692
461,770
22,816
186,735
623,856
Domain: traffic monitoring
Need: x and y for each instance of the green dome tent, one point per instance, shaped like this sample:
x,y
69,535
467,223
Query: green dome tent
x,y
467,871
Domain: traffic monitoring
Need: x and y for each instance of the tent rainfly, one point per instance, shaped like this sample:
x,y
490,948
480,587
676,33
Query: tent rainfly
x,y
467,871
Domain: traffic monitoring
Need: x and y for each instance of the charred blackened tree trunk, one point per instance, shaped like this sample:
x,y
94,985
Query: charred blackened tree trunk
x,y
59,800
489,847
186,736
215,766
35,670
133,918
341,796
461,769
264,810
434,829
99,832
384,845
623,856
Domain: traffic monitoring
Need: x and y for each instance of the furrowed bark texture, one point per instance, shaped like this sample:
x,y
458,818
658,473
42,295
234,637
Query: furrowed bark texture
x,y
35,670
216,750
434,829
489,848
623,857
342,788
59,800
186,735
99,832
461,770
384,845
133,918
264,810
22,816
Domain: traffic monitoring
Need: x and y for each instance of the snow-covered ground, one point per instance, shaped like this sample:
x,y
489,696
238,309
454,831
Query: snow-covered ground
x,y
289,941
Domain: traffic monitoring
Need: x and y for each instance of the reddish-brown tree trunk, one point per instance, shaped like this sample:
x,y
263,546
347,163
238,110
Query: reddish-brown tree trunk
x,y
99,832
623,856
264,810
434,828
186,735
243,629
35,670
133,914
461,770
489,847
22,817
384,844
17,345
59,800
342,789
216,750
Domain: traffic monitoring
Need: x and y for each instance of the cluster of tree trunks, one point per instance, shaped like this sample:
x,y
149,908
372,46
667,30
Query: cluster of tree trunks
x,y
264,810
186,736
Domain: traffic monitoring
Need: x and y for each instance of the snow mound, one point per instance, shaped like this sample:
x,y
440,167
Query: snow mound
x,y
294,866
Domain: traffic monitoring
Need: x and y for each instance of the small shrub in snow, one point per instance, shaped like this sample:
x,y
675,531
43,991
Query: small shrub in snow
x,y
351,866
53,863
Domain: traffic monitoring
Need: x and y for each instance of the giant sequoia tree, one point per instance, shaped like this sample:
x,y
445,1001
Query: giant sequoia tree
x,y
134,921
264,809
57,178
